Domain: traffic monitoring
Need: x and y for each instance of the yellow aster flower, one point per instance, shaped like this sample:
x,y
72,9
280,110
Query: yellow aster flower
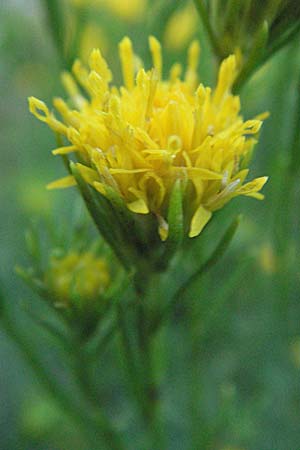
x,y
146,136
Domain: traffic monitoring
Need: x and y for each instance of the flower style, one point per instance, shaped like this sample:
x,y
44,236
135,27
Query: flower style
x,y
149,135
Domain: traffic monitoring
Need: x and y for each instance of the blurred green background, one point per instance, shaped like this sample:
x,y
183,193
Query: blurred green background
x,y
245,313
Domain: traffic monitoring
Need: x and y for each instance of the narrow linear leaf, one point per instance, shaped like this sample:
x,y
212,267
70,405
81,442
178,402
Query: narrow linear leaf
x,y
103,216
132,233
212,260
32,281
255,57
46,325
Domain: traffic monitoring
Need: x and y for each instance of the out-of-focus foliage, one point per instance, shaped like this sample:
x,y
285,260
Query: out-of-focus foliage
x,y
252,29
243,340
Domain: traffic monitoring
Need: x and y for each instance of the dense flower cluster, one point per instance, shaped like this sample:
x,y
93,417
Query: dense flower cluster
x,y
141,138
82,276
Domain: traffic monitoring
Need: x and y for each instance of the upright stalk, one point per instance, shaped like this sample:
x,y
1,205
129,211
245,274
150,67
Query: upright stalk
x,y
55,19
87,387
206,22
150,388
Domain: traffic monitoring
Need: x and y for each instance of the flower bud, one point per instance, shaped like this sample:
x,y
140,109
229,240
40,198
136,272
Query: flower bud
x,y
76,283
252,29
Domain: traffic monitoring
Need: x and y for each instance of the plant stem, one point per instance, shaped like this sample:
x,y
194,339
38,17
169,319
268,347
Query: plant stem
x,y
133,371
212,260
56,26
205,19
150,389
138,360
288,176
110,436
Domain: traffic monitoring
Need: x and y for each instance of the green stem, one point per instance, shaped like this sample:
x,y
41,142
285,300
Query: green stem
x,y
140,365
89,390
104,341
56,25
269,53
150,389
222,296
133,370
289,173
80,19
145,344
206,22
254,59
212,260
280,43
294,163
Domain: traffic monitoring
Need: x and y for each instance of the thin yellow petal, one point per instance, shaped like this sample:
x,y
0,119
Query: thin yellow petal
x,y
62,183
199,220
65,150
252,187
100,187
126,171
138,206
193,60
99,65
262,116
227,74
155,49
89,175
175,72
205,174
127,60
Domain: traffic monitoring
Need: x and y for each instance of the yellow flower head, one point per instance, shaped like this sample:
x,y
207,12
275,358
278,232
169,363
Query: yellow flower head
x,y
141,138
77,275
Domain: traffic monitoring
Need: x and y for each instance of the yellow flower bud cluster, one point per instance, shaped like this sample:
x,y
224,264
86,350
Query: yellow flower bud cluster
x,y
81,276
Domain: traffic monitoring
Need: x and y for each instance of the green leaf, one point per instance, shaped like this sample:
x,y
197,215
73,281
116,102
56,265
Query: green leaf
x,y
33,246
29,277
57,26
2,303
45,324
202,10
131,230
255,57
104,217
